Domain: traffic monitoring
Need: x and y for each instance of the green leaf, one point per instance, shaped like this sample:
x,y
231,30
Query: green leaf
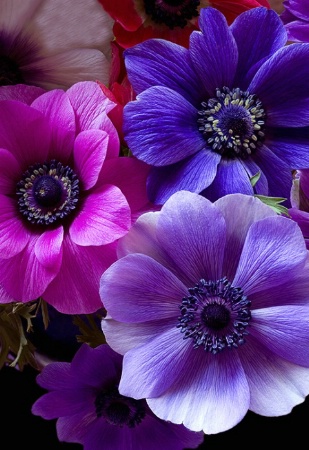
x,y
274,203
255,179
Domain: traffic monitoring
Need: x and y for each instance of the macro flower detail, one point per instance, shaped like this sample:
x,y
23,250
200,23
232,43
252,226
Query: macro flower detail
x,y
208,121
173,20
299,210
214,308
43,43
84,398
295,17
64,198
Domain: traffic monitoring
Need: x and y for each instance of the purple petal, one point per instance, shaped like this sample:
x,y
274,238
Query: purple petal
x,y
21,92
280,86
24,131
90,149
276,385
162,63
155,134
302,219
211,394
298,31
284,330
259,33
56,376
215,68
151,369
261,187
138,283
249,210
62,403
192,232
48,248
10,172
291,145
105,216
273,252
194,174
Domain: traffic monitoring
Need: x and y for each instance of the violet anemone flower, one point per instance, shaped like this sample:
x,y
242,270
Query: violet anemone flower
x,y
209,118
296,19
213,301
300,202
84,398
54,44
66,196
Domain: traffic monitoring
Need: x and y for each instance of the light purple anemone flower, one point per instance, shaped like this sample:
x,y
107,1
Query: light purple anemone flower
x,y
300,202
66,195
210,117
209,303
84,398
296,19
54,43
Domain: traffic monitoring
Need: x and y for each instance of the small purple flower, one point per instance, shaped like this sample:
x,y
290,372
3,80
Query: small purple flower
x,y
213,302
300,202
210,117
66,195
296,19
84,397
54,44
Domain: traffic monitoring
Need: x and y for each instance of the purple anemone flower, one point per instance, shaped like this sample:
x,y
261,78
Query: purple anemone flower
x,y
84,397
300,202
210,117
66,195
213,301
54,44
296,19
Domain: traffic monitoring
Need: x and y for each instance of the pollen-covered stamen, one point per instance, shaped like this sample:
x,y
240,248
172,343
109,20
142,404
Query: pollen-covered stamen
x,y
10,73
47,192
172,13
233,123
119,410
215,315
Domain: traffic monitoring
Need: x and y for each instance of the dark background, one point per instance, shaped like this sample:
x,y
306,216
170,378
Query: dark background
x,y
19,391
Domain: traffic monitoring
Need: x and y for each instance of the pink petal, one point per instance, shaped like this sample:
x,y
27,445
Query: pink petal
x,y
48,248
89,153
10,172
22,92
104,217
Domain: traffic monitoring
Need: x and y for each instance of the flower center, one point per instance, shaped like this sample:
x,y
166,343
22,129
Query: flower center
x,y
119,410
215,315
9,72
233,123
172,13
47,192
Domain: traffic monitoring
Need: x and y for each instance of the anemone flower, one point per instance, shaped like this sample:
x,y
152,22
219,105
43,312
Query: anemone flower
x,y
300,202
208,120
84,398
54,44
66,196
214,307
296,19
138,20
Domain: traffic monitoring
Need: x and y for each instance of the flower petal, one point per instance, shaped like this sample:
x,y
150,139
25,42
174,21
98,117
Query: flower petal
x,y
21,92
105,216
10,172
48,248
291,146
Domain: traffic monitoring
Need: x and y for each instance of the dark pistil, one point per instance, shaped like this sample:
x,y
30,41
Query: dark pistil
x,y
10,73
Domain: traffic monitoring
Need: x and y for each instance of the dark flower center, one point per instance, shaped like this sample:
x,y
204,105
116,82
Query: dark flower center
x,y
119,410
47,192
9,72
233,123
215,315
172,13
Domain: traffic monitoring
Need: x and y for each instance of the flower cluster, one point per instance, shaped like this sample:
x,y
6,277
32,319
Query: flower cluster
x,y
154,214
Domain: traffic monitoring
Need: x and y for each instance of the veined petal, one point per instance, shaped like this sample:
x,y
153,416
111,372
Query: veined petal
x,y
15,14
10,172
157,135
144,284
61,403
274,251
291,145
21,92
48,248
89,153
105,216
215,68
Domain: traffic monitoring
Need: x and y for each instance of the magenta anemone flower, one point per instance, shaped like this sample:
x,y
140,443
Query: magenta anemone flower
x,y
300,202
84,398
66,196
210,117
213,302
54,43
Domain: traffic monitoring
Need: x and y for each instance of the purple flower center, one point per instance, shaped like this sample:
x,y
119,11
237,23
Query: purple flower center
x,y
172,13
118,409
215,315
47,193
9,72
233,123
